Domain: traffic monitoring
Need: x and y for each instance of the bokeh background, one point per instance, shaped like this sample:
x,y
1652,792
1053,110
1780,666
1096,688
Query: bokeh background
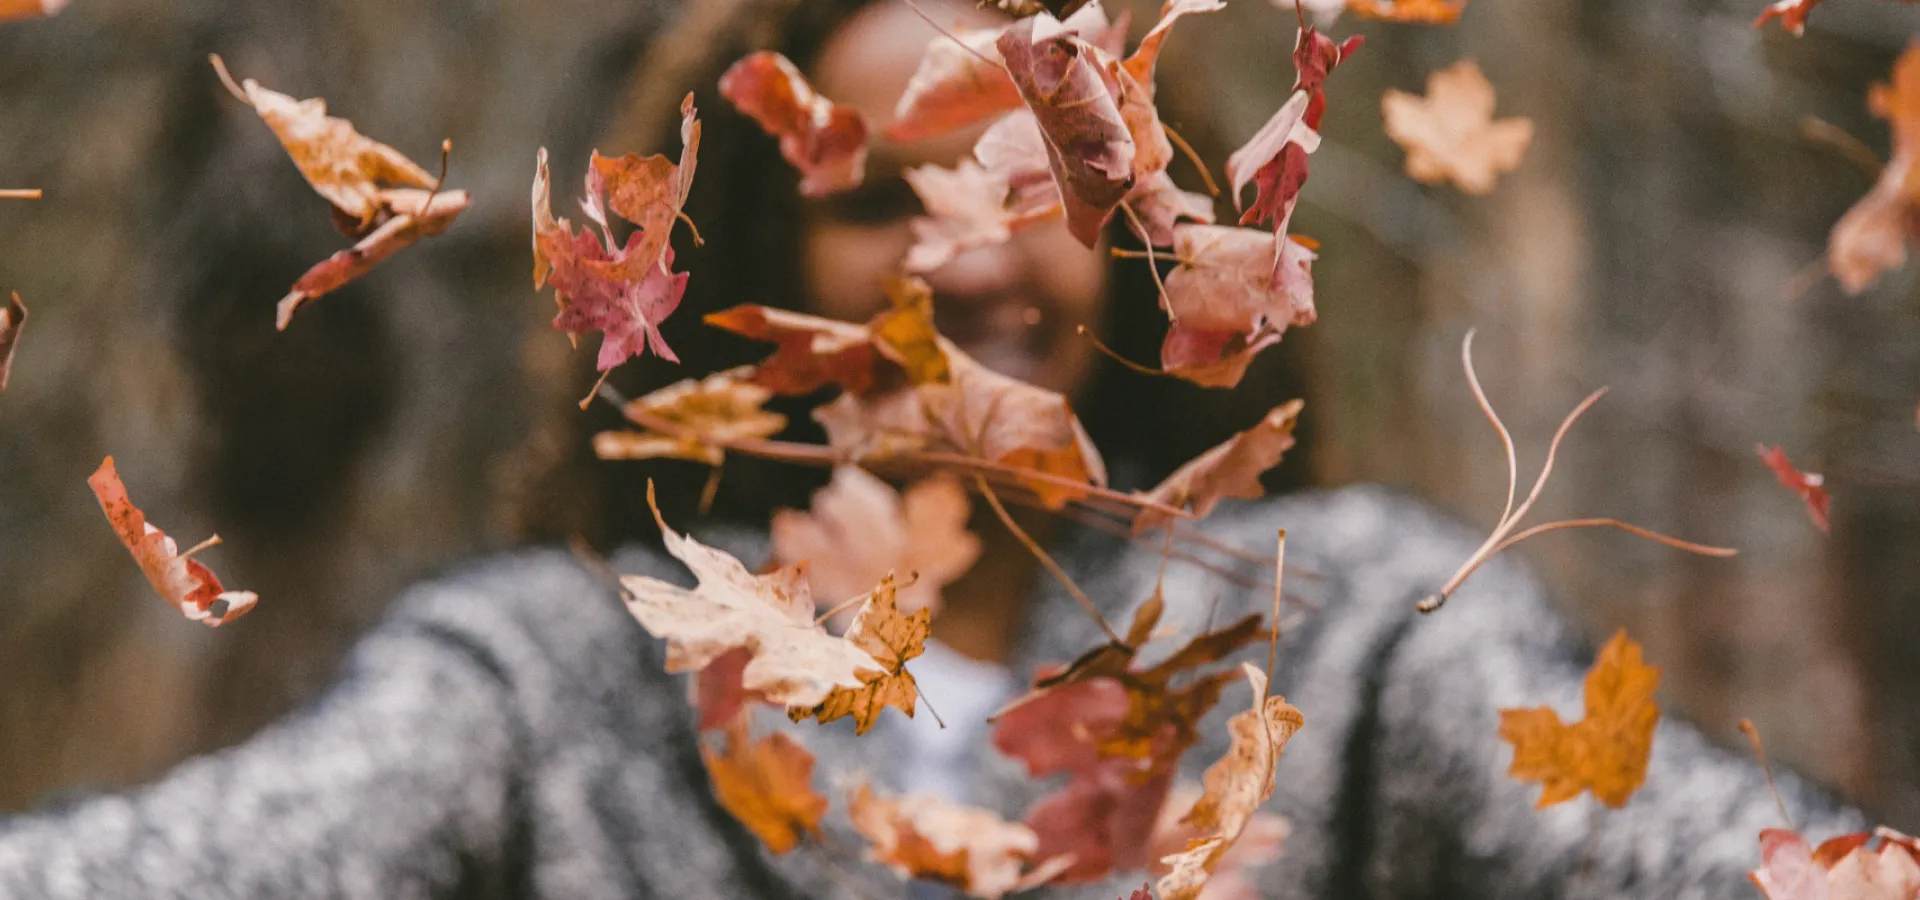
x,y
1664,236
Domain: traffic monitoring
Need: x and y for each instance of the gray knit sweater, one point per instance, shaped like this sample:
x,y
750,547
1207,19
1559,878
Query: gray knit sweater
x,y
509,732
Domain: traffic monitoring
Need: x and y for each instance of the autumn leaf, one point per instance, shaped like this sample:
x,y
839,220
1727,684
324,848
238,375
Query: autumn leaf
x,y
30,9
961,82
649,192
1234,789
13,320
1260,844
1872,237
1228,301
810,353
767,785
594,280
1451,132
352,172
825,141
1791,13
179,579
1606,752
1843,868
795,661
1231,469
1811,486
1274,160
719,690
966,208
1070,87
1421,12
415,214
965,847
1147,56
905,334
892,639
1118,732
1160,205
859,529
698,417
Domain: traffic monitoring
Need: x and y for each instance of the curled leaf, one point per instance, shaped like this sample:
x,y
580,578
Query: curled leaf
x,y
1228,301
415,214
1450,134
649,192
767,785
825,141
1231,469
1235,788
1260,844
1847,867
960,80
1606,752
181,580
1811,486
859,529
1071,89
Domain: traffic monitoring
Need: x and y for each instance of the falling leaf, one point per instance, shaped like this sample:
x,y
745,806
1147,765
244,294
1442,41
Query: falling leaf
x,y
1231,469
1421,12
1118,732
795,661
594,279
415,214
351,171
1842,868
1872,237
13,320
649,192
1791,13
703,415
1235,788
30,9
1228,301
859,529
1147,56
962,846
892,639
181,580
767,785
1451,132
1069,86
966,208
1606,752
1274,160
825,141
810,352
905,334
960,80
1160,205
1811,486
1260,844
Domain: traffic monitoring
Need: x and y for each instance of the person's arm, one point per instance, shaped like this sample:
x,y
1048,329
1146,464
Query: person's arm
x,y
507,732
1398,784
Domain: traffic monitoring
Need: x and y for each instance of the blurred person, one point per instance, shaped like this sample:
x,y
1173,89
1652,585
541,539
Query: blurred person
x,y
509,731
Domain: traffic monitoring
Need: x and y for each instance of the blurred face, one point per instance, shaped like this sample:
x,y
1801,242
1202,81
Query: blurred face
x,y
1015,306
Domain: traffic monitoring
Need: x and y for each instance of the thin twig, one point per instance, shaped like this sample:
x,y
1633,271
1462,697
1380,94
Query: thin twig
x,y
20,193
1192,157
1153,265
1837,139
1760,753
842,607
1114,355
1040,554
1506,438
928,704
233,87
1279,572
1119,530
446,151
1124,253
1674,542
952,37
213,541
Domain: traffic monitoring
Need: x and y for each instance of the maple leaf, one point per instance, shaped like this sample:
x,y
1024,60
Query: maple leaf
x,y
859,529
905,334
960,80
1451,133
1072,89
825,141
966,208
30,9
1606,752
1229,301
650,192
594,279
767,785
1843,868
795,661
1119,732
13,320
350,171
1811,486
179,579
1423,12
1260,843
415,214
1234,789
1872,237
1231,469
890,637
966,847
697,416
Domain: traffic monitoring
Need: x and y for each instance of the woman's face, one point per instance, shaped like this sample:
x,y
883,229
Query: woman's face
x,y
1014,306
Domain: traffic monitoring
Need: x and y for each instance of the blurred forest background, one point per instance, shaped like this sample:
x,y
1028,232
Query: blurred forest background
x,y
1664,236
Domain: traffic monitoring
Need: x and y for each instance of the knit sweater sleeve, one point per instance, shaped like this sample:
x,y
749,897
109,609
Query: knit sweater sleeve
x,y
1398,787
487,740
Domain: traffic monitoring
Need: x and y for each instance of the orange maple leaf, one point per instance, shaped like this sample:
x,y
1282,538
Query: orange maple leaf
x,y
766,784
1607,751
1451,133
891,639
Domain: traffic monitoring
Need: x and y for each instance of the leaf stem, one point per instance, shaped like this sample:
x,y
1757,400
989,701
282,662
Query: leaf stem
x,y
1053,568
